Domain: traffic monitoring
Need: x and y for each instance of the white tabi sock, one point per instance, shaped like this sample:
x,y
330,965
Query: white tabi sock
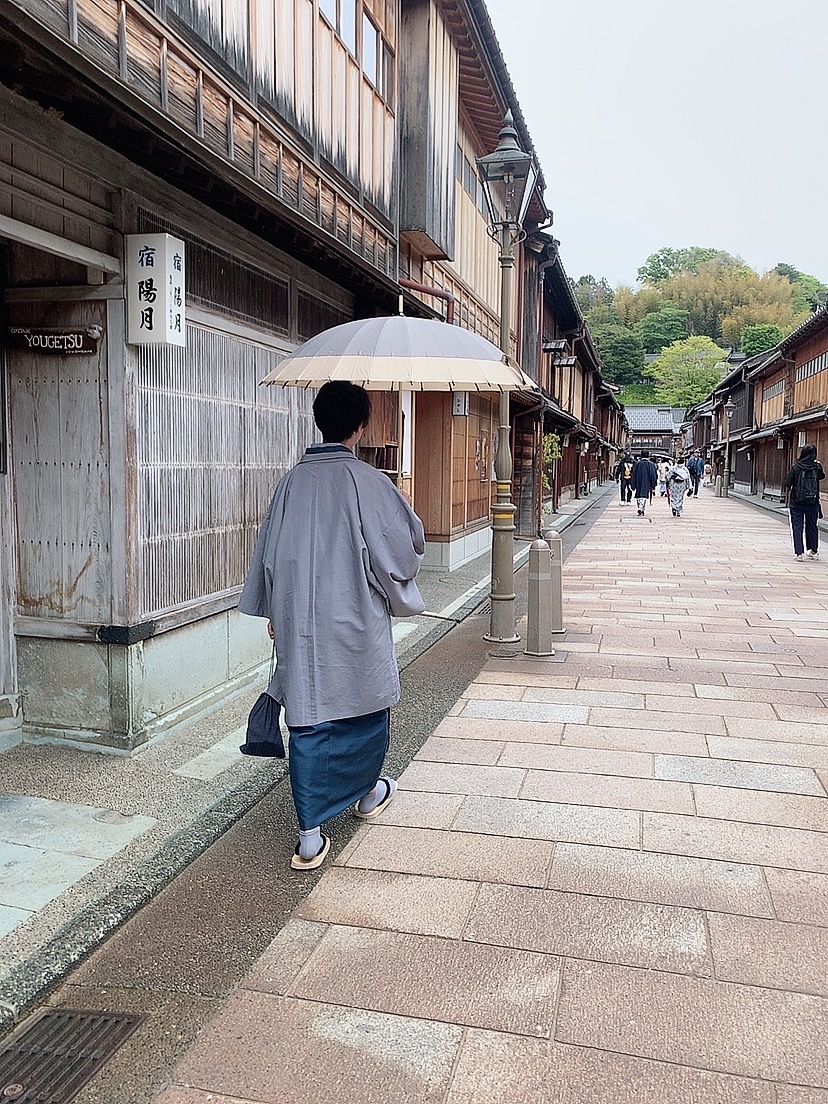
x,y
309,843
373,798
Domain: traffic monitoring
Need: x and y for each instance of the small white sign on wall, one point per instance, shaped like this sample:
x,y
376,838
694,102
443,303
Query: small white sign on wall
x,y
156,293
460,404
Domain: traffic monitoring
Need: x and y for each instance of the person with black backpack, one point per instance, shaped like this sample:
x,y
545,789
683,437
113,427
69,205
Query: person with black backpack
x,y
803,483
623,477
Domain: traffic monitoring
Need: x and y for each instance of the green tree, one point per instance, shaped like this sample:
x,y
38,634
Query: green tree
x,y
756,339
666,262
621,352
662,327
809,292
687,371
591,293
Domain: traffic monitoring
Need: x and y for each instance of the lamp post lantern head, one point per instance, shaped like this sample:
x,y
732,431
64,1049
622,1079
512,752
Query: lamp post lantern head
x,y
730,409
507,176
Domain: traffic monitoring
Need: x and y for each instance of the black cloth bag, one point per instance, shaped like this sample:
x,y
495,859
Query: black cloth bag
x,y
264,736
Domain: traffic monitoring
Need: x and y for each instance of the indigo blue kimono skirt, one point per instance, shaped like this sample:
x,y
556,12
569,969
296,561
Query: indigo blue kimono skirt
x,y
335,763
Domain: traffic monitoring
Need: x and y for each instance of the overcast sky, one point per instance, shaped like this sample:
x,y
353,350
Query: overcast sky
x,y
676,122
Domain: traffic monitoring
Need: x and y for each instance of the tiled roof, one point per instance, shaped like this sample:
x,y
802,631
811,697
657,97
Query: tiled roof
x,y
655,418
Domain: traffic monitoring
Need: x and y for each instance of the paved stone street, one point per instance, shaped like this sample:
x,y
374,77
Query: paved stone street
x,y
605,877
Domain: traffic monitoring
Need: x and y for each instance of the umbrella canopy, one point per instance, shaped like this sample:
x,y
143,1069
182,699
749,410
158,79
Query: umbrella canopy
x,y
398,353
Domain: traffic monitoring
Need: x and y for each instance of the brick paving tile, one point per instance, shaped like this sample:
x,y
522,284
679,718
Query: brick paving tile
x,y
438,749
511,678
793,957
492,691
635,739
462,778
719,707
703,670
620,699
641,686
413,809
601,928
476,728
791,1094
758,807
398,902
748,775
799,896
737,1029
453,855
797,713
524,711
495,987
769,751
546,820
661,879
679,721
335,1054
797,732
285,957
792,848
503,1069
584,760
806,682
768,692
609,791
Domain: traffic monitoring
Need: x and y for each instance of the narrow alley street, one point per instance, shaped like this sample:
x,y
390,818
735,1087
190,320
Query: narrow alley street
x,y
605,877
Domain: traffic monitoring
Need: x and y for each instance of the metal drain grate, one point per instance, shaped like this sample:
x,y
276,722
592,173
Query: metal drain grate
x,y
50,1060
484,611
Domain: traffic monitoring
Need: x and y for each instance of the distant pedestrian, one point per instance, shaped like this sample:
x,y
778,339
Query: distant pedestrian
x,y
695,465
623,476
644,481
678,482
803,500
663,469
708,474
336,558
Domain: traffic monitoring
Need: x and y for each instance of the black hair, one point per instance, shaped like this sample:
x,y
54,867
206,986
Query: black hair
x,y
808,452
340,409
645,453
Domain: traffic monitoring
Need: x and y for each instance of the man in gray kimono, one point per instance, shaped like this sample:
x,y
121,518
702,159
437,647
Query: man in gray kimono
x,y
336,558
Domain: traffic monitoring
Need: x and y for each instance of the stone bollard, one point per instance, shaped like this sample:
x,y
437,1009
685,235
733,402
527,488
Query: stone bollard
x,y
539,622
553,539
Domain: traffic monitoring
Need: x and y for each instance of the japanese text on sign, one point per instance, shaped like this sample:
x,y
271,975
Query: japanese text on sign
x,y
156,290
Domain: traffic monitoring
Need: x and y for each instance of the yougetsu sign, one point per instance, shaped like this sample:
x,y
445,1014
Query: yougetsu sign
x,y
53,342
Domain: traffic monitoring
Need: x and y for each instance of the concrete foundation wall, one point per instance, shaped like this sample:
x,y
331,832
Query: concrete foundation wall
x,y
117,698
448,555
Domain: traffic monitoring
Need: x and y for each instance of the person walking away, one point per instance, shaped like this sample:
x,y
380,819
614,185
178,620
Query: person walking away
x,y
663,469
644,481
623,476
678,482
336,558
695,465
803,502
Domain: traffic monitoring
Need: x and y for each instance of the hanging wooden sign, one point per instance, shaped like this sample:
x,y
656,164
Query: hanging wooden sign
x,y
54,342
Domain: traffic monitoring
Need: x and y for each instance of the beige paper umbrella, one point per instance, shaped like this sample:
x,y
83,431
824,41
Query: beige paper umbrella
x,y
398,353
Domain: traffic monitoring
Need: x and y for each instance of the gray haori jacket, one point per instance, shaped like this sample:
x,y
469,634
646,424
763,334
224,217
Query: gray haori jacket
x,y
336,558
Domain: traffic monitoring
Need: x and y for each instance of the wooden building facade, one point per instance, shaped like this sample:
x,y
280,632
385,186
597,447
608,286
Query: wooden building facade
x,y
314,156
780,404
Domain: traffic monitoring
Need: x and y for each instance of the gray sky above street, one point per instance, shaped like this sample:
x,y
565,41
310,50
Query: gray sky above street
x,y
676,122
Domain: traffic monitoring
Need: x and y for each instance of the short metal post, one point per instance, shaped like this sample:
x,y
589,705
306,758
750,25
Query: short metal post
x,y
553,539
539,623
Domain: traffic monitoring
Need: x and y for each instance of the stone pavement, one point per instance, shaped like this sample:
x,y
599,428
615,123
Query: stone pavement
x,y
87,838
605,877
